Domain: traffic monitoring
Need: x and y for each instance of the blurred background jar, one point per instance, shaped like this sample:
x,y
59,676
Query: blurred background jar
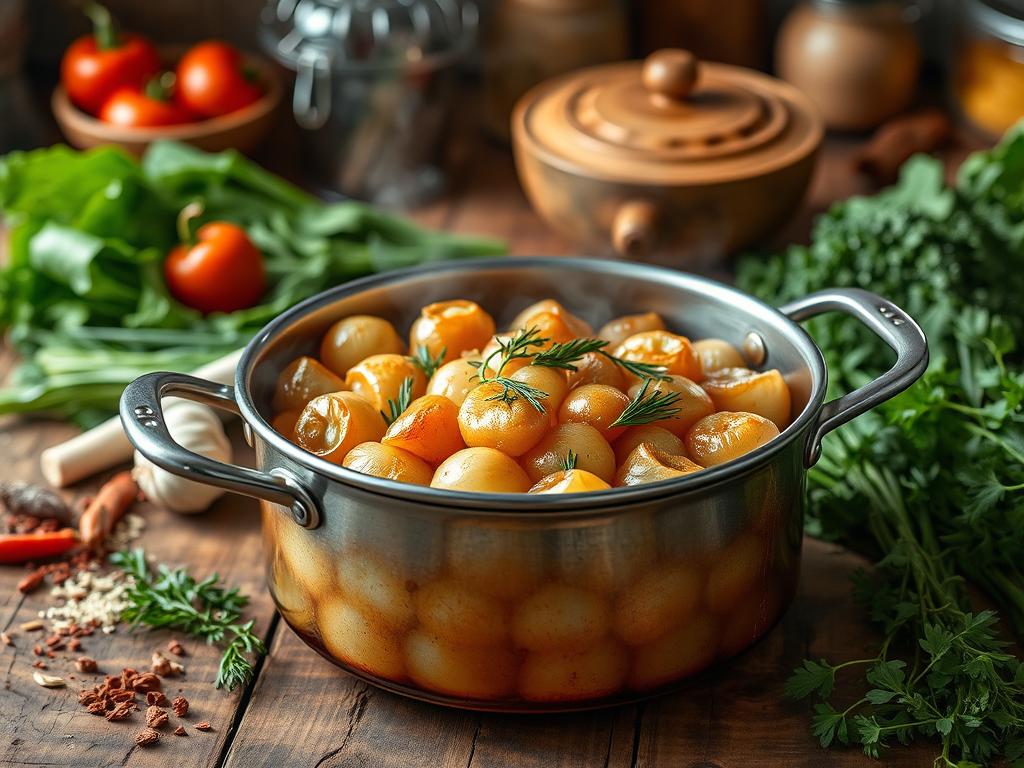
x,y
857,60
376,86
988,69
528,41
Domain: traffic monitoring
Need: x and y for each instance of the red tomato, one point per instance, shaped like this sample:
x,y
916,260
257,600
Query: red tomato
x,y
96,65
132,108
222,272
212,80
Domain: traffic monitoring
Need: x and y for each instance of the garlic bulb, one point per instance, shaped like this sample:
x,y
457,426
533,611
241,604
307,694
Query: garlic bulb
x,y
199,429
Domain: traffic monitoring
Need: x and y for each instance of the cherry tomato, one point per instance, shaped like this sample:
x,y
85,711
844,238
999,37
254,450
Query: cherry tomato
x,y
135,108
212,80
96,65
221,272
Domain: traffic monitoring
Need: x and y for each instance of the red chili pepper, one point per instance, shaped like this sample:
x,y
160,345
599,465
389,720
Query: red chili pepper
x,y
21,547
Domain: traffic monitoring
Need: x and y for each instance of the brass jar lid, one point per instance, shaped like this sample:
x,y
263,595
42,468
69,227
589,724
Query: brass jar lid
x,y
668,120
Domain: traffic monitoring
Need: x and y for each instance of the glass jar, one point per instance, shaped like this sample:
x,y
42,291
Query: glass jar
x,y
857,60
988,74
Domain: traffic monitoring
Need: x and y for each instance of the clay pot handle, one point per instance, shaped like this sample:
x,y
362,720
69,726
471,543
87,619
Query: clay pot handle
x,y
670,74
635,229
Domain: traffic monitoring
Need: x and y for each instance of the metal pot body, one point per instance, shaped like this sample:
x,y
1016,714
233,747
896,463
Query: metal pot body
x,y
508,602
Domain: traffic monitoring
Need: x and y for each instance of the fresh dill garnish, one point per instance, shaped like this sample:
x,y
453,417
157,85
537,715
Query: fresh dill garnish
x,y
512,389
423,360
566,354
569,462
172,599
645,408
643,370
515,347
397,407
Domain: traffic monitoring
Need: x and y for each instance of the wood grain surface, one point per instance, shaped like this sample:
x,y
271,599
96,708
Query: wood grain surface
x,y
302,711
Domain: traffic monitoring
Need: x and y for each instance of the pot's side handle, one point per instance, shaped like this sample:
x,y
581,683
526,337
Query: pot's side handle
x,y
143,419
894,326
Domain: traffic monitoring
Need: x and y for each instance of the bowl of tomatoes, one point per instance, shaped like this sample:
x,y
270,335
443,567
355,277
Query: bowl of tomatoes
x,y
118,88
531,484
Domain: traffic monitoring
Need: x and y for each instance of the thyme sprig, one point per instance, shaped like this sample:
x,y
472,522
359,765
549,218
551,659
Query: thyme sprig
x,y
172,599
423,360
566,355
397,406
645,408
569,462
515,347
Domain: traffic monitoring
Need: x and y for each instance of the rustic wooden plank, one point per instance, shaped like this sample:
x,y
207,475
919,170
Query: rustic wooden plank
x,y
41,726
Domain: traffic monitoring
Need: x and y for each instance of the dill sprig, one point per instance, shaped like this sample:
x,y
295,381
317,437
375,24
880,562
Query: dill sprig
x,y
516,347
645,408
569,462
567,354
172,599
423,360
397,406
512,389
643,370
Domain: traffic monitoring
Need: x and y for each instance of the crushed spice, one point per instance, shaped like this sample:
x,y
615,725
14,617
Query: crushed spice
x,y
147,738
180,706
180,731
155,717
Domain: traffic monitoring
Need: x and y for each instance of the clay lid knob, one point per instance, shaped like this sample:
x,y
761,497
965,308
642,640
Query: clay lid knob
x,y
670,74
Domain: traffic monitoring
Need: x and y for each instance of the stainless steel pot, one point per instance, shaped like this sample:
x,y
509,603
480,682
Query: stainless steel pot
x,y
513,602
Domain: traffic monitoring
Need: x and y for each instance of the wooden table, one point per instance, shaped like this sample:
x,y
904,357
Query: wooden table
x,y
302,711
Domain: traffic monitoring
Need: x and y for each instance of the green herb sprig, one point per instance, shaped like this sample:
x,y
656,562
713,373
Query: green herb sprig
x,y
566,355
427,363
515,347
569,462
172,599
398,405
645,408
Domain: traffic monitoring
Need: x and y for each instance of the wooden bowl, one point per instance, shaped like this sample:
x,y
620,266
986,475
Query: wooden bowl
x,y
242,129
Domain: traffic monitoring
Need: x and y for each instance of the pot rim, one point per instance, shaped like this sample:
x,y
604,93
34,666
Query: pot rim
x,y
496,503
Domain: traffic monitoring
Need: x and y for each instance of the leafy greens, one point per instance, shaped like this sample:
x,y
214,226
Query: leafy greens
x,y
931,483
83,297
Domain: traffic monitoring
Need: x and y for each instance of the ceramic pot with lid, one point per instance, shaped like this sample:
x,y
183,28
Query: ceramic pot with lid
x,y
668,159
375,83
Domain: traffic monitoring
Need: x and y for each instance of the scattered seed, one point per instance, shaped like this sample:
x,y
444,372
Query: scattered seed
x,y
74,644
85,697
97,708
147,738
39,664
32,626
122,711
48,681
155,717
180,706
180,731
86,665
32,581
37,649
145,682
175,647
6,639
157,698
204,726
177,669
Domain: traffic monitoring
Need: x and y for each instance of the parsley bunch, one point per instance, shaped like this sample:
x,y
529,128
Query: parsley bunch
x,y
172,599
931,484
